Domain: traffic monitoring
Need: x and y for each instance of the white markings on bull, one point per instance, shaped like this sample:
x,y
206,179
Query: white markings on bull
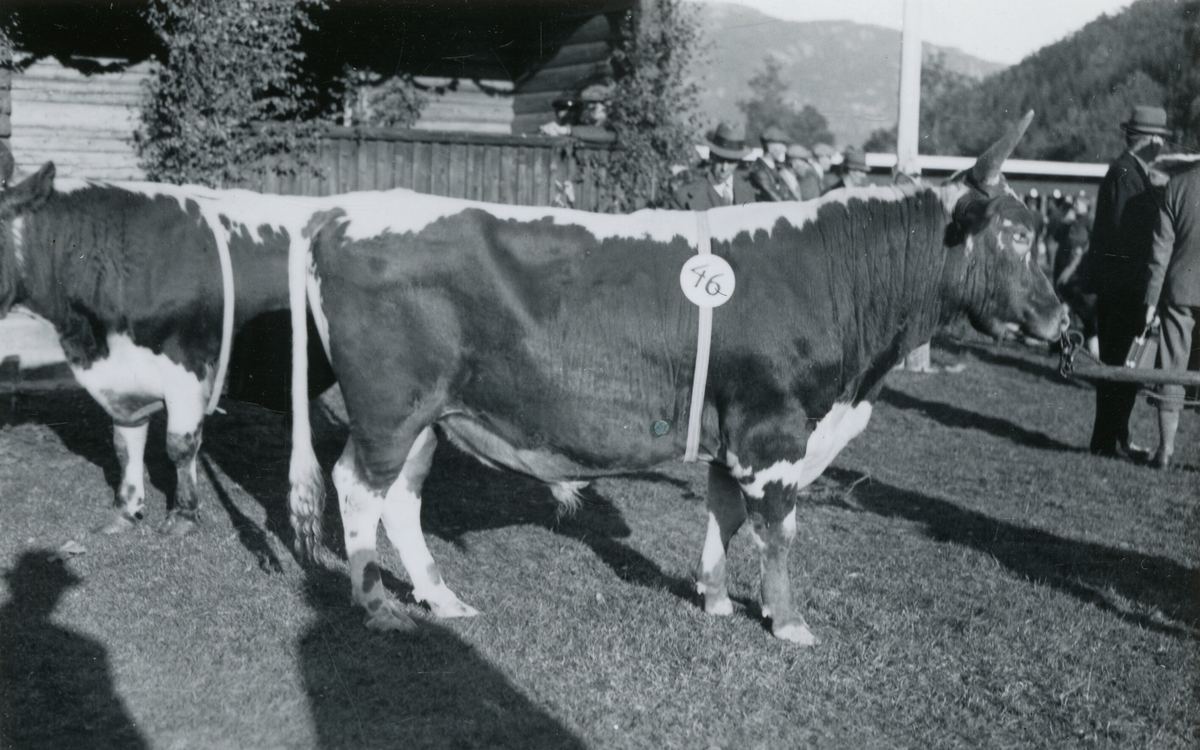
x,y
833,432
728,222
402,520
133,484
789,525
370,214
17,227
710,558
133,369
568,494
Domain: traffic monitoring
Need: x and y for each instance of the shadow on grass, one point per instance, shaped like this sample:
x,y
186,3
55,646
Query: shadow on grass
x,y
86,430
56,689
428,689
462,495
1028,362
1149,591
953,416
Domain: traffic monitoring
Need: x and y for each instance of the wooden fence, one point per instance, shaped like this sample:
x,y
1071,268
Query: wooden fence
x,y
526,170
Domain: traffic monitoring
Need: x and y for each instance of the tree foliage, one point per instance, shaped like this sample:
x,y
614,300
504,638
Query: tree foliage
x,y
939,84
1084,86
655,109
226,95
769,106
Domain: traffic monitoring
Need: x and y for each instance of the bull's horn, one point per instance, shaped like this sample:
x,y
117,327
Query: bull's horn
x,y
986,171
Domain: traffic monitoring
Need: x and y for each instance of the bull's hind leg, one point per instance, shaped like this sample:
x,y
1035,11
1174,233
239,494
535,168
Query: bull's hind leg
x,y
130,445
361,507
402,520
726,514
185,400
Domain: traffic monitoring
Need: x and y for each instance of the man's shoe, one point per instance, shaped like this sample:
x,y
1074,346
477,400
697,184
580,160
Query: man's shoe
x,y
1162,459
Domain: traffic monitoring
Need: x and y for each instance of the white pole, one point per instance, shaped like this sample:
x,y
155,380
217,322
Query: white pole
x,y
910,89
907,129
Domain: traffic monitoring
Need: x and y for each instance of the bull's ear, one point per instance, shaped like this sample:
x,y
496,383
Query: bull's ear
x,y
29,195
986,172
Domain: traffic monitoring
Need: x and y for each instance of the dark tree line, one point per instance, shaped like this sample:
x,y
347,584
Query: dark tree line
x,y
1081,88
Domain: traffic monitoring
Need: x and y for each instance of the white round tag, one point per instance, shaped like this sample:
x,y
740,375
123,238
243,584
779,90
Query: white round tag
x,y
707,280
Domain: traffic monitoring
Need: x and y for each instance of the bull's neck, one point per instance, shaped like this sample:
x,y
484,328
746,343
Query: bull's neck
x,y
902,268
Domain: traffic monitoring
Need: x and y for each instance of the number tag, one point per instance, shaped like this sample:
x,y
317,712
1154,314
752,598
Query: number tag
x,y
707,280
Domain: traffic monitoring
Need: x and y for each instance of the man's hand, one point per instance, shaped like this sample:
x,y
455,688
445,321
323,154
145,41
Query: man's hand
x,y
1151,315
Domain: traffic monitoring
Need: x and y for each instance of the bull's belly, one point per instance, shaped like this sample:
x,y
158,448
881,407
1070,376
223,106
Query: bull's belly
x,y
133,382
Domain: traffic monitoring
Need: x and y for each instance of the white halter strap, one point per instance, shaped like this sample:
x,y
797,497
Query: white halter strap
x,y
703,348
214,222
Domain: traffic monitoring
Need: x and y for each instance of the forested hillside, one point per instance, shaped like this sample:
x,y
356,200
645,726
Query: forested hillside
x,y
1081,88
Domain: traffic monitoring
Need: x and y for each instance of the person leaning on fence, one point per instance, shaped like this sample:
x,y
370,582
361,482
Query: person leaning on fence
x,y
1116,272
802,164
765,174
853,170
721,183
1173,292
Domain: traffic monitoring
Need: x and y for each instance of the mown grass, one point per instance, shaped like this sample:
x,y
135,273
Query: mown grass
x,y
977,579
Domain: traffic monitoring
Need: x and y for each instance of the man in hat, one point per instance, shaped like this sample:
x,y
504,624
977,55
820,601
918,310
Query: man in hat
x,y
853,171
764,175
593,120
1117,270
802,165
721,183
1173,291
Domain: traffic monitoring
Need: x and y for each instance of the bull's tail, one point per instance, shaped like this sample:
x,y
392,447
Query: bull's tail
x,y
306,500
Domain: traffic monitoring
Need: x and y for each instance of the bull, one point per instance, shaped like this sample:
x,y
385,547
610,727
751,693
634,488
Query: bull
x,y
557,344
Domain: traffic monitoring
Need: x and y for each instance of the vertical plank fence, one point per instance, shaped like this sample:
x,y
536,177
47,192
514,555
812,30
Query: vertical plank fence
x,y
499,168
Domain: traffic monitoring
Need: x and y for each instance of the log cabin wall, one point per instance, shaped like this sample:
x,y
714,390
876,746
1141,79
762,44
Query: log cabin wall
x,y
581,59
83,123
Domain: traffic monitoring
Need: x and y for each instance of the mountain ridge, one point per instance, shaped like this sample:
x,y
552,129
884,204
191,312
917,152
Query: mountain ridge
x,y
848,71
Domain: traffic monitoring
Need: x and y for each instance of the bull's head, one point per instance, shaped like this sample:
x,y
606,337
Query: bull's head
x,y
993,235
15,201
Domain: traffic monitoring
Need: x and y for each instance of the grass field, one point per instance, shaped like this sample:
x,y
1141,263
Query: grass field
x,y
978,580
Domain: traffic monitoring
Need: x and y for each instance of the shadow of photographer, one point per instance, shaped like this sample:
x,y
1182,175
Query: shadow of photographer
x,y
56,690
428,689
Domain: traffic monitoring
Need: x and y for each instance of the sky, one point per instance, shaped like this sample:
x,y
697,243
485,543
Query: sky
x,y
1002,31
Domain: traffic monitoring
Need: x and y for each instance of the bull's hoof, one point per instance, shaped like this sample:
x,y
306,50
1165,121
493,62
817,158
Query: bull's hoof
x,y
451,606
718,606
795,632
118,524
387,618
178,524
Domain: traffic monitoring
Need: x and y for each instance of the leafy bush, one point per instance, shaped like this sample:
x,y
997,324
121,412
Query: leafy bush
x,y
655,109
227,95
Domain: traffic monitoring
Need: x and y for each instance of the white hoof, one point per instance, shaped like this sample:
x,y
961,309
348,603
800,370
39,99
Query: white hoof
x,y
450,606
389,619
796,633
720,607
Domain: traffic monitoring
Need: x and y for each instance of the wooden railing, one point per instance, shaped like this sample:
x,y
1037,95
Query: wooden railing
x,y
526,170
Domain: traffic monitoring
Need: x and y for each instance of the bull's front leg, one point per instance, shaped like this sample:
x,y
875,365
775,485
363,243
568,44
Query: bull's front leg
x,y
773,526
130,445
726,514
185,401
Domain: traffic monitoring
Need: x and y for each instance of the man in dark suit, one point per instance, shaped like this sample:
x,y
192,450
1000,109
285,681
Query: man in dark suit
x,y
721,183
1174,292
769,184
1126,218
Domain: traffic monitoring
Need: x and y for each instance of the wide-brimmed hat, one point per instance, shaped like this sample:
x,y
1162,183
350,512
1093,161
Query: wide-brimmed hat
x,y
854,159
823,149
775,134
797,151
728,142
1147,120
